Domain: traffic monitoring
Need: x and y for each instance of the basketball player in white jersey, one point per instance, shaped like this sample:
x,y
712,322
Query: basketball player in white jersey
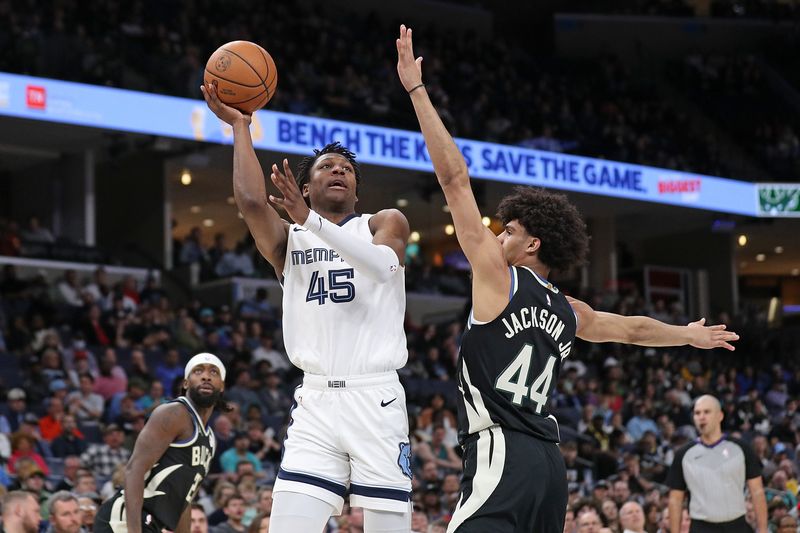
x,y
343,310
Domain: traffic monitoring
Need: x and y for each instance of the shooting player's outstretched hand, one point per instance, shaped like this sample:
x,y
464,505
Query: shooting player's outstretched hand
x,y
223,111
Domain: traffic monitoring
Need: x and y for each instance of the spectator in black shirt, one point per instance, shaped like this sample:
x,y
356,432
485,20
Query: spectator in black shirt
x,y
578,470
71,441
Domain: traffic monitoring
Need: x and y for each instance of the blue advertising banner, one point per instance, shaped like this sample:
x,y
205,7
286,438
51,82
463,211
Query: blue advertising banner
x,y
118,109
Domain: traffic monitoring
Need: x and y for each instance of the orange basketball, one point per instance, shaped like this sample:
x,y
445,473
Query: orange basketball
x,y
244,73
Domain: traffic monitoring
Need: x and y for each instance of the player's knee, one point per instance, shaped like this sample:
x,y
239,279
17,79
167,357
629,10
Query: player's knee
x,y
386,521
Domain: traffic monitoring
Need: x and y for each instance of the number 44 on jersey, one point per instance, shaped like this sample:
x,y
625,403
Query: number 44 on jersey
x,y
514,377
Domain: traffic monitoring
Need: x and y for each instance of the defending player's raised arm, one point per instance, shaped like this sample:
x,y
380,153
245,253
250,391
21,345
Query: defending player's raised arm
x,y
597,326
479,244
249,189
166,423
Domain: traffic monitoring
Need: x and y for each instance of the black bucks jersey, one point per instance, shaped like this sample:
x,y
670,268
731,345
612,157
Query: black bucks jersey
x,y
171,484
508,367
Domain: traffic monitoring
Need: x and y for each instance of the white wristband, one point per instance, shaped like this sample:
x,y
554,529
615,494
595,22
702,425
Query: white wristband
x,y
314,222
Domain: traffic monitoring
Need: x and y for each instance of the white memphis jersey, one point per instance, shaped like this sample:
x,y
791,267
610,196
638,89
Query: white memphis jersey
x,y
336,321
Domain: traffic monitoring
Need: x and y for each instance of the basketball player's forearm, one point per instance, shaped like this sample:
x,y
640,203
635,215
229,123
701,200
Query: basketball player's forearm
x,y
134,499
448,163
675,512
376,261
249,190
646,331
760,508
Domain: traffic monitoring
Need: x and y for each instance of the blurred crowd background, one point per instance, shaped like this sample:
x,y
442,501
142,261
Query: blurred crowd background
x,y
83,361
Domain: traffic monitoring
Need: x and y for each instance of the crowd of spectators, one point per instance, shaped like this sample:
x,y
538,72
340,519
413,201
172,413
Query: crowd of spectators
x,y
485,88
724,86
84,364
36,239
13,238
739,9
219,260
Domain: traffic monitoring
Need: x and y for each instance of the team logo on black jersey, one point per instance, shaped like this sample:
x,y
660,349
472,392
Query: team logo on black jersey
x,y
404,459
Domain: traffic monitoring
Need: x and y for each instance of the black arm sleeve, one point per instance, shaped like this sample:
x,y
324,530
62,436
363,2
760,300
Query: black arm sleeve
x,y
752,465
675,479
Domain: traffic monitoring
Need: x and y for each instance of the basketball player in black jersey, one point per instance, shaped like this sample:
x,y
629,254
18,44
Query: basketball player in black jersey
x,y
170,459
520,329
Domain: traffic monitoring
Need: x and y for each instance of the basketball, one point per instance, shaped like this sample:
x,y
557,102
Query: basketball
x,y
244,74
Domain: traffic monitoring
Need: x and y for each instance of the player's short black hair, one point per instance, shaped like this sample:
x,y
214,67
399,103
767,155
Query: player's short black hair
x,y
552,219
304,168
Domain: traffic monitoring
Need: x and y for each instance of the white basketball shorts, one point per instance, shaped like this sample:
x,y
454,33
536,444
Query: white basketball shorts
x,y
349,436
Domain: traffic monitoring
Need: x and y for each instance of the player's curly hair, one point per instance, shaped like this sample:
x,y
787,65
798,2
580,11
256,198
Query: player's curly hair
x,y
305,166
554,220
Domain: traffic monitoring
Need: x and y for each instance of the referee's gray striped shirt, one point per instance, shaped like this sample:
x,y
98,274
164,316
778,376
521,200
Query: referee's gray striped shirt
x,y
715,476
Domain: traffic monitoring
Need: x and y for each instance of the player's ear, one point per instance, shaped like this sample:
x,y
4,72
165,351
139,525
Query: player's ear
x,y
534,244
305,190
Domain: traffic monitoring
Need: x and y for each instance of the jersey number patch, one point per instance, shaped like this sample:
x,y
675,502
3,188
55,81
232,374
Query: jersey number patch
x,y
339,289
193,490
514,377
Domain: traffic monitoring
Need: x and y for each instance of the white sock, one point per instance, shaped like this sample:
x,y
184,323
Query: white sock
x,y
293,512
386,521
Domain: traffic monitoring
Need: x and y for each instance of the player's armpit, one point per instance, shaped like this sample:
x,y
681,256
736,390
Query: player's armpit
x,y
167,423
390,228
272,248
270,233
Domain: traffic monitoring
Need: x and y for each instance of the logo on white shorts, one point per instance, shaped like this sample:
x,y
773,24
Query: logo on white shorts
x,y
404,459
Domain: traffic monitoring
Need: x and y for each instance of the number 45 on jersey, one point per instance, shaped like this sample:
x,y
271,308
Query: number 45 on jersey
x,y
339,290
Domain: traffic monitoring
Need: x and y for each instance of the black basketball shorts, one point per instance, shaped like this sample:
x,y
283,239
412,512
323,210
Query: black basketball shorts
x,y
734,526
512,483
111,518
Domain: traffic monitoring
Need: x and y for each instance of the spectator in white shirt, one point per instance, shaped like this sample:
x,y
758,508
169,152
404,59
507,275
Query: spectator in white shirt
x,y
36,233
69,292
267,352
86,405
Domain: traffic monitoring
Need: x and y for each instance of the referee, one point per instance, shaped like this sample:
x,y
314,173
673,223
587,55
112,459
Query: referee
x,y
714,469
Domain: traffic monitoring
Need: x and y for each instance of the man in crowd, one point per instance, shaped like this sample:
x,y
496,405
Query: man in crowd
x,y
631,518
198,522
103,458
65,513
20,512
234,510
